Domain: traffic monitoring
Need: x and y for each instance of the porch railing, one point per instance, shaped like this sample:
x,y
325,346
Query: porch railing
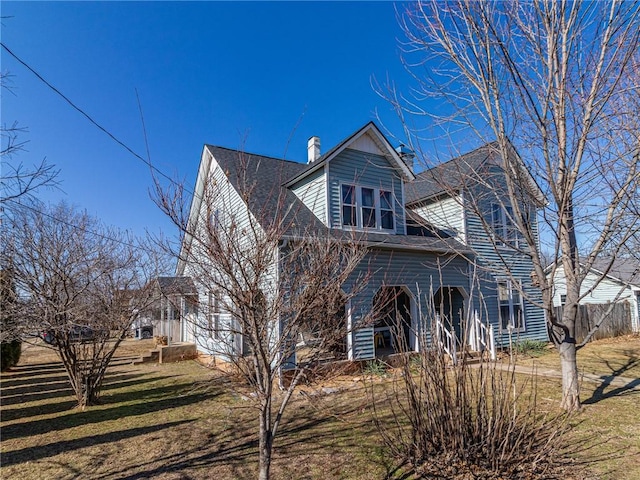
x,y
446,339
481,336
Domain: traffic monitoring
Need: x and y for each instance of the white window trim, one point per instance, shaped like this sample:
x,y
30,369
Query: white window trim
x,y
510,288
359,206
213,314
504,236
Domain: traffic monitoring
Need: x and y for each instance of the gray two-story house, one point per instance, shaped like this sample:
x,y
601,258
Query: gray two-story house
x,y
425,261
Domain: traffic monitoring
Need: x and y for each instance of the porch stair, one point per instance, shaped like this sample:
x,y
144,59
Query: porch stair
x,y
176,352
152,356
480,342
471,357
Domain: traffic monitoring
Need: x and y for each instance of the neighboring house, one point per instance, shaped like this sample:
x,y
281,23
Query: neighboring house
x,y
174,299
620,284
361,185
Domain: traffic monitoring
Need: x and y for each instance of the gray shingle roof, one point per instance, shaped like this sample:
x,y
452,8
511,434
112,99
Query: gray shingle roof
x,y
261,179
449,175
623,269
177,286
264,178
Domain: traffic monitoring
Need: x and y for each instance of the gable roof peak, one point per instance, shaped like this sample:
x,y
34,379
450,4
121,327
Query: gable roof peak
x,y
385,147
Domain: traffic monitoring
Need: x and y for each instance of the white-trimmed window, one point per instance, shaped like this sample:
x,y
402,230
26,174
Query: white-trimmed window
x,y
349,209
386,210
510,306
367,207
502,222
213,314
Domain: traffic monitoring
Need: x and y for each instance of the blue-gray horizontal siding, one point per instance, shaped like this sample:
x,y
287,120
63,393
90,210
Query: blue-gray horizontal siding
x,y
503,263
422,274
312,190
368,170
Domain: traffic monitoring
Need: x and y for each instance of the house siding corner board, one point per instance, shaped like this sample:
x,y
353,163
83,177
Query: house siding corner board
x,y
312,192
417,272
367,170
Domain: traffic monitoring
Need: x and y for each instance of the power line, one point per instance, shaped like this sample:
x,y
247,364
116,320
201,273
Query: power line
x,y
83,229
146,161
94,122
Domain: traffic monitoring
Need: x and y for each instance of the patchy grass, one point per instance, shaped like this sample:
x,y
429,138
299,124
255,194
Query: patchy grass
x,y
169,421
618,357
182,420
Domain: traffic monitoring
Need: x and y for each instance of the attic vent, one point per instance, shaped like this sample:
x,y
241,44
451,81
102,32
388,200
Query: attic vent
x,y
313,149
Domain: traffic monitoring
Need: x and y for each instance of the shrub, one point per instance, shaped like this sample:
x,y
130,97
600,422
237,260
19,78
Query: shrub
x,y
10,354
375,367
531,348
443,421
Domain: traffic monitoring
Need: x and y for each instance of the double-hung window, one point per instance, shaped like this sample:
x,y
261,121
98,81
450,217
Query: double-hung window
x,y
349,208
510,303
213,314
386,210
506,231
368,201
367,207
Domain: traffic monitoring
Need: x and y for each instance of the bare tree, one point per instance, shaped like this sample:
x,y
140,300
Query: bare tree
x,y
559,82
273,294
79,286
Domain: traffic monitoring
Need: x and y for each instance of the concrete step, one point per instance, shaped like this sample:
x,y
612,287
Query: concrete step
x,y
151,356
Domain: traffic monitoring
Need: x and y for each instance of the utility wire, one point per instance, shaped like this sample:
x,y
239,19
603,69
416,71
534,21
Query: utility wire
x,y
83,229
146,161
94,122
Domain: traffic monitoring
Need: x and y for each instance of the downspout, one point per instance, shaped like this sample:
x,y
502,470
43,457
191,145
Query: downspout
x,y
327,195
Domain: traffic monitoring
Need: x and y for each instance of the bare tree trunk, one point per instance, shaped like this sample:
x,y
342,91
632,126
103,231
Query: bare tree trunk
x,y
567,347
570,386
265,440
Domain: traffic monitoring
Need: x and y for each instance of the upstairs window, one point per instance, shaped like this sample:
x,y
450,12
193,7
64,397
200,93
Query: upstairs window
x,y
505,230
349,205
386,210
510,302
366,207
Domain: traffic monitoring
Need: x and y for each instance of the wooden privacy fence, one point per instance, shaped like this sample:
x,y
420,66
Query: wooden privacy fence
x,y
617,323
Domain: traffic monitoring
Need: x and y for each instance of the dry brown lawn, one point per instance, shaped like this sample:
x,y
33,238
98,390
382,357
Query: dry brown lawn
x,y
608,427
183,421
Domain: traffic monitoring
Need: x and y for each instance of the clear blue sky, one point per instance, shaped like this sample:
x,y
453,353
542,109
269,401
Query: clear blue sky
x,y
240,75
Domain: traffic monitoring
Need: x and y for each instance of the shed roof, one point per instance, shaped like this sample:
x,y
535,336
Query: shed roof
x,y
176,286
623,269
